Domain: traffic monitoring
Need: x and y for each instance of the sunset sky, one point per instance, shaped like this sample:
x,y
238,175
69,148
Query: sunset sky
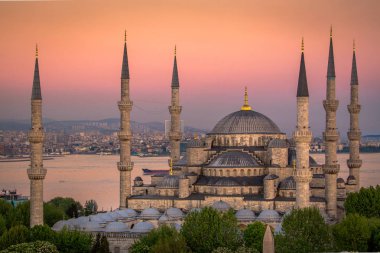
x,y
222,46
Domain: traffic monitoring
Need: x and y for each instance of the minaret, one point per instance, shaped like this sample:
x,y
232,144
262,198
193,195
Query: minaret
x,y
175,111
36,171
125,165
331,136
354,134
302,137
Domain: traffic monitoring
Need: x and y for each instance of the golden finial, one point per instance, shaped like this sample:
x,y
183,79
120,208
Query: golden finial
x,y
302,45
354,46
36,51
171,167
331,31
175,50
125,35
246,106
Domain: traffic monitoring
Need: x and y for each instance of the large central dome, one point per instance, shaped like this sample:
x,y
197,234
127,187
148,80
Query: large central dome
x,y
246,122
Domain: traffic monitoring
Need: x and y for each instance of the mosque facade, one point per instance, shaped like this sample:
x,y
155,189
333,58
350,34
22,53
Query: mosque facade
x,y
245,163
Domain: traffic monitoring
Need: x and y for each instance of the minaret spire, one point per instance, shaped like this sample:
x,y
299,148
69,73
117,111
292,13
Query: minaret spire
x,y
246,106
302,137
36,171
354,134
331,136
125,104
175,109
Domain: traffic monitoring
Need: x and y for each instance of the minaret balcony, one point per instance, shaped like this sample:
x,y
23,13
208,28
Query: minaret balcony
x,y
331,168
125,166
125,105
353,164
175,136
302,136
124,136
354,108
331,135
36,174
175,109
302,175
354,135
331,105
36,136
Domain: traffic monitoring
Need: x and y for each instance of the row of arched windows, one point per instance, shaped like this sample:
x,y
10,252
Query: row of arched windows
x,y
223,172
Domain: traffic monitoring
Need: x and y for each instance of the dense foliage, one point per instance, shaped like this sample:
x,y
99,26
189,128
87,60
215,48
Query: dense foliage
x,y
209,229
90,207
238,250
163,239
69,206
254,235
32,247
366,202
304,230
100,245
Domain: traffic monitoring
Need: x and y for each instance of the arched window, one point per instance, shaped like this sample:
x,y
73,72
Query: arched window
x,y
242,172
249,172
235,173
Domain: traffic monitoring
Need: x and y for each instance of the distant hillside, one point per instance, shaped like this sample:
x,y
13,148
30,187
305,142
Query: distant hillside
x,y
105,126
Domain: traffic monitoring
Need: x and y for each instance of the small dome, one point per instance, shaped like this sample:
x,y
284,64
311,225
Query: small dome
x,y
127,213
106,217
169,181
150,214
233,159
59,225
246,122
221,206
116,227
142,227
288,184
278,143
269,215
174,213
138,178
351,180
115,215
80,222
225,181
164,218
195,143
245,215
93,226
270,177
340,180
97,218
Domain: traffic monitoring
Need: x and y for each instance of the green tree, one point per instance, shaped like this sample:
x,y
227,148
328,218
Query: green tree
x,y
69,206
15,235
3,225
238,250
90,207
96,245
163,239
209,229
104,245
32,247
366,202
352,234
42,233
72,241
254,235
52,214
304,231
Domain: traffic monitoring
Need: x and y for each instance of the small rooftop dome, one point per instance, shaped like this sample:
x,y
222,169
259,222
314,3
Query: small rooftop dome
x,y
93,226
245,215
221,206
174,213
270,177
150,214
351,180
116,227
127,213
164,218
169,181
278,143
142,227
269,215
59,225
288,184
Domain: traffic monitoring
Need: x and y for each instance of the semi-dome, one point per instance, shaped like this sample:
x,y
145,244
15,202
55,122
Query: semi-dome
x,y
150,214
269,215
233,159
142,227
246,122
169,181
174,213
245,215
116,227
288,184
221,206
225,181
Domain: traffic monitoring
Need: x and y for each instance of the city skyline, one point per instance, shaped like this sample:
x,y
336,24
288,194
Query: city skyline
x,y
80,59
